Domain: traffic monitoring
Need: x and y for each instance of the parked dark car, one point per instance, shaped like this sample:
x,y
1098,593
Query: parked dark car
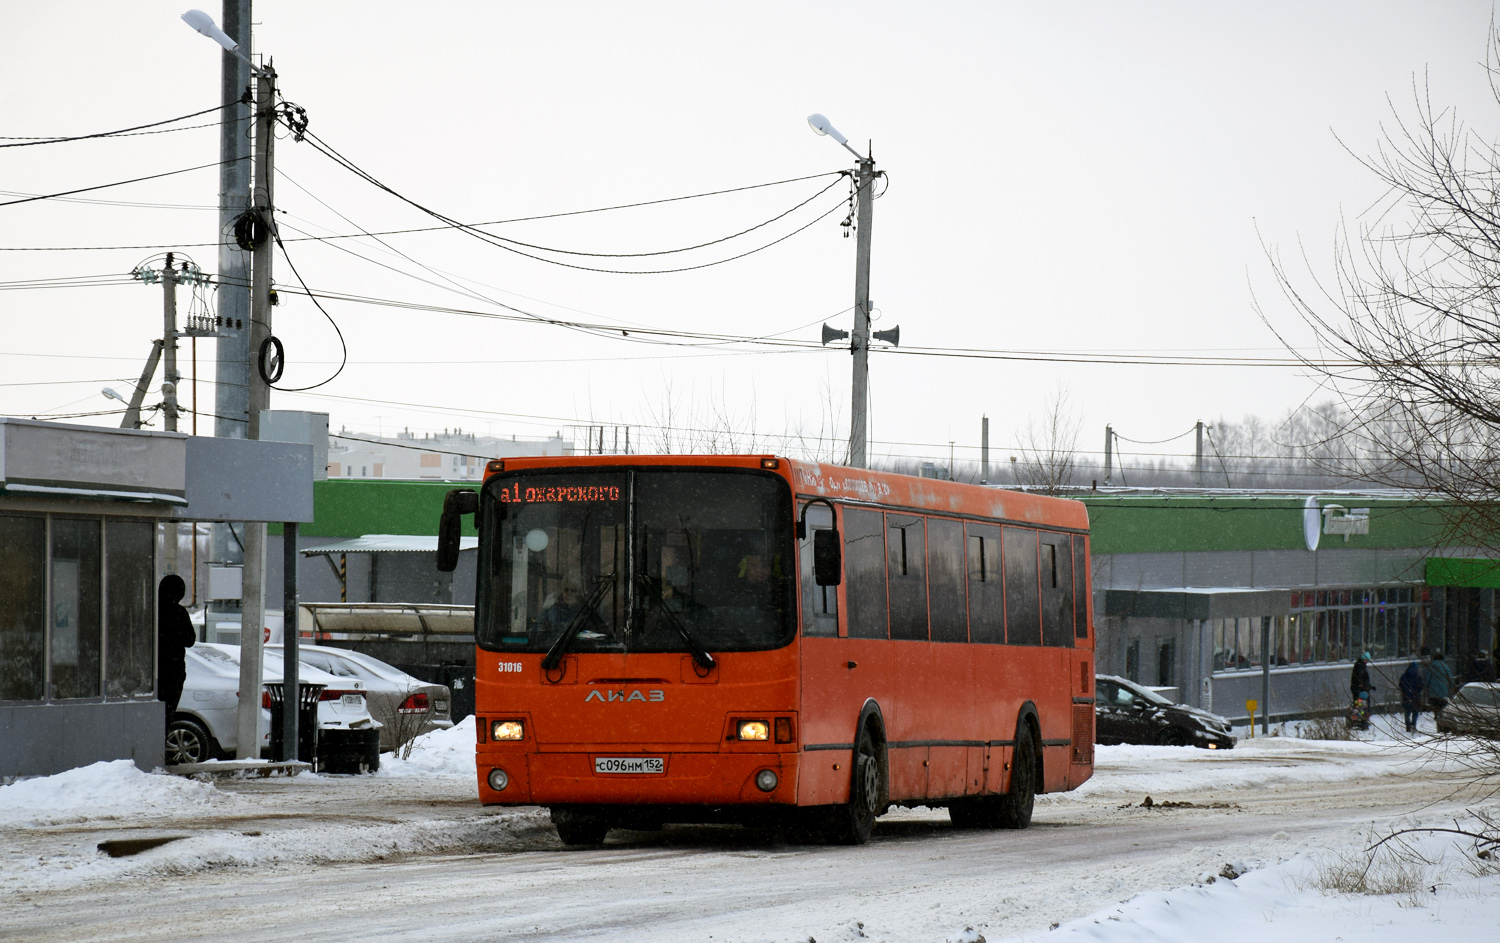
x,y
1126,712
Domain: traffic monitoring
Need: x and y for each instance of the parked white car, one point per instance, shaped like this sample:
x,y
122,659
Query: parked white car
x,y
405,706
206,723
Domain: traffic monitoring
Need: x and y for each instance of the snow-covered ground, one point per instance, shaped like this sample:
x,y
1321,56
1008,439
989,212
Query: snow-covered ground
x,y
1264,841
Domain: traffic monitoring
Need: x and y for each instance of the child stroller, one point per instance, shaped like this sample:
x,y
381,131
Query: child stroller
x,y
1359,712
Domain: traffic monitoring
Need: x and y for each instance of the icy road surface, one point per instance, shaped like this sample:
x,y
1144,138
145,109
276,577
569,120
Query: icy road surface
x,y
408,854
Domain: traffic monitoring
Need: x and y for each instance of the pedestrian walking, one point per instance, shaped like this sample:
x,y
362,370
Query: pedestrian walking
x,y
1411,686
1439,684
1359,688
1481,668
174,636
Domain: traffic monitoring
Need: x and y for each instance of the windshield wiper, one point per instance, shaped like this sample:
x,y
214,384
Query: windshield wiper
x,y
695,648
585,612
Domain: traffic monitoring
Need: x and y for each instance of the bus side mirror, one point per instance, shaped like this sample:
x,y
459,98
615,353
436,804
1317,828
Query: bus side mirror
x,y
828,558
456,503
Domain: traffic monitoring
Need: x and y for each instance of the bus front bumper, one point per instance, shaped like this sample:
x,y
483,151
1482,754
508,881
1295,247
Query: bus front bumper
x,y
624,778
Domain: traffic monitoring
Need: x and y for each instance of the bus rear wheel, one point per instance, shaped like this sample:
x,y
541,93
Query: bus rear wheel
x,y
1014,808
576,827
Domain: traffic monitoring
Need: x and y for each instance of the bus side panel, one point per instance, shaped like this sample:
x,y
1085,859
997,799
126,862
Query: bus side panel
x,y
1005,678
929,752
832,698
914,714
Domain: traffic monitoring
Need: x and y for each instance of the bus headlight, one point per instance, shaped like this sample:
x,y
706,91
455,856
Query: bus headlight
x,y
498,779
765,780
754,730
507,730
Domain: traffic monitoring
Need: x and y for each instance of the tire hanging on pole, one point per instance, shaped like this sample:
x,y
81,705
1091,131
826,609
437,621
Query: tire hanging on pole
x,y
272,360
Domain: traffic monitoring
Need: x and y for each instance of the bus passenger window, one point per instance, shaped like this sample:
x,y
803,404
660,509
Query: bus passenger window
x,y
945,581
1080,587
1023,618
906,542
864,573
1057,591
986,591
820,604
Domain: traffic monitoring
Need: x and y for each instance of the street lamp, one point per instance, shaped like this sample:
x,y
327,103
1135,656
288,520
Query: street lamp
x,y
859,344
203,23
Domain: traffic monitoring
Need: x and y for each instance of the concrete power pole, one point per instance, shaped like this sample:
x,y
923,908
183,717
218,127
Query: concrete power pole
x,y
170,381
984,450
232,284
860,343
1109,453
231,409
170,377
252,610
1198,464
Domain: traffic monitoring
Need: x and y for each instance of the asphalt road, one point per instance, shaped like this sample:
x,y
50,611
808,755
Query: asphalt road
x,y
403,859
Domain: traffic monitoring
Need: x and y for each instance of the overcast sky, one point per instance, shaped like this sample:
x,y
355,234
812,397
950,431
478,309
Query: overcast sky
x,y
1072,178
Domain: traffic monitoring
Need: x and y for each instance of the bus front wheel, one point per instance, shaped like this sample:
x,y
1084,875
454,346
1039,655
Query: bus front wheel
x,y
853,822
579,828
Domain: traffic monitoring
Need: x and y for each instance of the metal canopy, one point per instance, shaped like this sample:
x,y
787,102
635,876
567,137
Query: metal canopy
x,y
387,543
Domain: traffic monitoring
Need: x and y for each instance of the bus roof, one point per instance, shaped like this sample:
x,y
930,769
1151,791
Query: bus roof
x,y
859,486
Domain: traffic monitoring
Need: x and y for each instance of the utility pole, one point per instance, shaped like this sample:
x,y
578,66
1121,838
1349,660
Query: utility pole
x,y
1198,464
170,376
170,381
1109,453
232,372
984,450
232,350
252,609
860,343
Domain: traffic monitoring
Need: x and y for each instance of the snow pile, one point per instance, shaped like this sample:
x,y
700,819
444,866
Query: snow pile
x,y
1409,892
68,862
1257,763
111,790
442,752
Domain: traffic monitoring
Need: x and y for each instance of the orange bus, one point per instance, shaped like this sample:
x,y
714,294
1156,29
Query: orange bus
x,y
756,639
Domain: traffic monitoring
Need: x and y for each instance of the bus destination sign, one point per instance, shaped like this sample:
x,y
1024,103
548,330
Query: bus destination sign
x,y
514,493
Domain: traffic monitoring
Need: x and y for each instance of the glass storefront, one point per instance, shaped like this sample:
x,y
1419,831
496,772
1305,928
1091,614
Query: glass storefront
x,y
1325,626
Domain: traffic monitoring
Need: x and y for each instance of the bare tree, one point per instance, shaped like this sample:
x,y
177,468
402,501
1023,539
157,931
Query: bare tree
x,y
1049,447
1409,325
1409,329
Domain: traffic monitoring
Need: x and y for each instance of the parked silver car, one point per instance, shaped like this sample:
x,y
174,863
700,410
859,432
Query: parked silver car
x,y
1474,709
205,726
404,705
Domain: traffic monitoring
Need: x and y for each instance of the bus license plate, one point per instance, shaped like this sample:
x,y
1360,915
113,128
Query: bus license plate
x,y
629,764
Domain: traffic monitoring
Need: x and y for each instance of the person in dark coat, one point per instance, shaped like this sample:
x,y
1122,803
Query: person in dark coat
x,y
1411,685
1439,684
1359,687
174,636
1481,668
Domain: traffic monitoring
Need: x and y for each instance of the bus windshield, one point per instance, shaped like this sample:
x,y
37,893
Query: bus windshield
x,y
640,560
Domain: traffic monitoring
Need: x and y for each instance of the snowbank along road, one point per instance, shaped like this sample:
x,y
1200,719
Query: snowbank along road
x,y
408,854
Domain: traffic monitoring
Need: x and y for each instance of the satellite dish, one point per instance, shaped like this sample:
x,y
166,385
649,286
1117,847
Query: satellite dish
x,y
1312,522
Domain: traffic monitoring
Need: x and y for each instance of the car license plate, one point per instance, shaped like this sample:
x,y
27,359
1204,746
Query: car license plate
x,y
629,764
354,700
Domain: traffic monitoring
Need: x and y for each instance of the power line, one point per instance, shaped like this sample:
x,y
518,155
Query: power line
x,y
33,141
500,242
121,183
